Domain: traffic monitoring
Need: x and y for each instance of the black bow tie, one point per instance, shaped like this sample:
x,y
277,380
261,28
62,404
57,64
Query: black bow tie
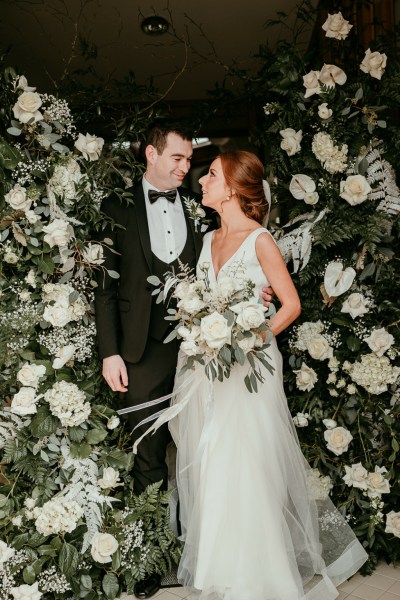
x,y
155,195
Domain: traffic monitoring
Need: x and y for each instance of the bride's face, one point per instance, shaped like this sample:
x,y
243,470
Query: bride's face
x,y
213,186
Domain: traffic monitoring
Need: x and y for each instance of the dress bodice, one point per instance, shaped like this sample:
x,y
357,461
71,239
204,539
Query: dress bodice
x,y
243,264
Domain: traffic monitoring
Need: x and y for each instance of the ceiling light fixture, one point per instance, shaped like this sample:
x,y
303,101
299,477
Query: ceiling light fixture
x,y
155,25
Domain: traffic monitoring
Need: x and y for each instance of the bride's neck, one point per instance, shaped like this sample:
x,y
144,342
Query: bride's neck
x,y
234,223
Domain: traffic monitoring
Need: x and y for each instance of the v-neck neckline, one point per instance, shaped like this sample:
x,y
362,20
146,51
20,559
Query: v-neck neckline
x,y
216,275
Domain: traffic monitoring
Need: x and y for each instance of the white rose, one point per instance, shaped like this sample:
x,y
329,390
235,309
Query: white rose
x,y
113,422
110,478
377,483
374,63
190,348
6,552
311,198
24,402
338,440
355,189
318,347
329,423
393,523
11,258
58,233
29,375
214,330
300,420
103,546
250,315
63,355
26,592
356,476
291,140
191,304
32,217
379,341
57,315
311,83
226,286
17,198
247,343
331,75
323,111
182,290
300,185
336,26
90,146
26,107
305,378
355,305
93,254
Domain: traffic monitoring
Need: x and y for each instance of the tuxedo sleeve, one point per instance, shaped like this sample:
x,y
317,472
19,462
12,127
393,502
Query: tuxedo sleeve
x,y
108,322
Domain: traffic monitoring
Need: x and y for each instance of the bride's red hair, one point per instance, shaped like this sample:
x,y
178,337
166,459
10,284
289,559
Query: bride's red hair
x,y
243,172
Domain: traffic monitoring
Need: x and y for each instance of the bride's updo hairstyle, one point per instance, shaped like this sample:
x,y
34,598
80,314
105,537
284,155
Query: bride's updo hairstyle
x,y
244,172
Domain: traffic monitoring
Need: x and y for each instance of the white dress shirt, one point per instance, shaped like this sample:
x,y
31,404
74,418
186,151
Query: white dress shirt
x,y
167,225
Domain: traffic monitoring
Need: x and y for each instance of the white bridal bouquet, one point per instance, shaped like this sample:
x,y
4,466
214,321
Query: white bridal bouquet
x,y
218,326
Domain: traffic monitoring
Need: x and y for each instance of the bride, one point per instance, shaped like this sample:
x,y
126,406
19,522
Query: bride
x,y
251,526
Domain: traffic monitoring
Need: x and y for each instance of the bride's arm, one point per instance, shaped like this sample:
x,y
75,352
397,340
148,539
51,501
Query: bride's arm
x,y
274,267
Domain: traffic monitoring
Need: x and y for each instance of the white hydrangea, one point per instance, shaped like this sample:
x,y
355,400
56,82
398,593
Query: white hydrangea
x,y
58,515
306,332
333,158
318,485
374,373
67,402
64,180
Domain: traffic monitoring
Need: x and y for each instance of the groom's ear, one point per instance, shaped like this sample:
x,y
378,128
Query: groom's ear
x,y
151,154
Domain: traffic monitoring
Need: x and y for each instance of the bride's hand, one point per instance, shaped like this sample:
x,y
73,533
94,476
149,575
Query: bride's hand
x,y
115,373
267,294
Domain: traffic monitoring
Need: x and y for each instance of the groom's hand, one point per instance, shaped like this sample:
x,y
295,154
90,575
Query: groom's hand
x,y
267,295
114,372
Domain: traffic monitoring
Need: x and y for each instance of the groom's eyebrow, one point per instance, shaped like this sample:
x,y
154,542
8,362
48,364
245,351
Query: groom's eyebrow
x,y
182,156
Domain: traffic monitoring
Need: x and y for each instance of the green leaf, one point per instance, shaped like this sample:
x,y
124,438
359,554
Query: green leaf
x,y
46,265
110,585
44,423
86,582
80,450
29,575
154,280
76,434
113,274
225,354
353,343
68,560
95,436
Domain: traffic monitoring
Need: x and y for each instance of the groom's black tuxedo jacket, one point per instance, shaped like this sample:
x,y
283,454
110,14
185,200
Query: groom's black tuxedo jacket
x,y
123,305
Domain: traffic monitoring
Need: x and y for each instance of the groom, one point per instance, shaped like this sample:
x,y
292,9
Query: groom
x,y
156,230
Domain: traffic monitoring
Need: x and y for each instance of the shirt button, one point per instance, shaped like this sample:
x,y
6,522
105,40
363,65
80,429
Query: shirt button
x,y
165,212
168,232
170,252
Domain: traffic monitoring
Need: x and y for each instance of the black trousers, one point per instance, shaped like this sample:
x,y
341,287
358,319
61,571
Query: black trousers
x,y
151,378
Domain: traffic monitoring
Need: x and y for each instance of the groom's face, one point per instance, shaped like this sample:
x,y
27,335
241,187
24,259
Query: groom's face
x,y
167,170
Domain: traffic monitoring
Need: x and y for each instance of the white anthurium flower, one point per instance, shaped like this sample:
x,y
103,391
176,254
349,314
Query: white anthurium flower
x,y
301,185
338,280
336,26
355,189
374,63
311,83
331,75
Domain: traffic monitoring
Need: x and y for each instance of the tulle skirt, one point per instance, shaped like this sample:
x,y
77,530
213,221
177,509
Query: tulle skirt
x,y
252,526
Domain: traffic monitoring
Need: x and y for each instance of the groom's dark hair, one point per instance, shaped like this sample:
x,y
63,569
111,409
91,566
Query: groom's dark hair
x,y
157,135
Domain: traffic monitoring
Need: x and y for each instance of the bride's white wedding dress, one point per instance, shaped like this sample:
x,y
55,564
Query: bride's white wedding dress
x,y
251,526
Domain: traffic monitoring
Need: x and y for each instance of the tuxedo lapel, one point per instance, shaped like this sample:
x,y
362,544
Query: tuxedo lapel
x,y
142,223
196,235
